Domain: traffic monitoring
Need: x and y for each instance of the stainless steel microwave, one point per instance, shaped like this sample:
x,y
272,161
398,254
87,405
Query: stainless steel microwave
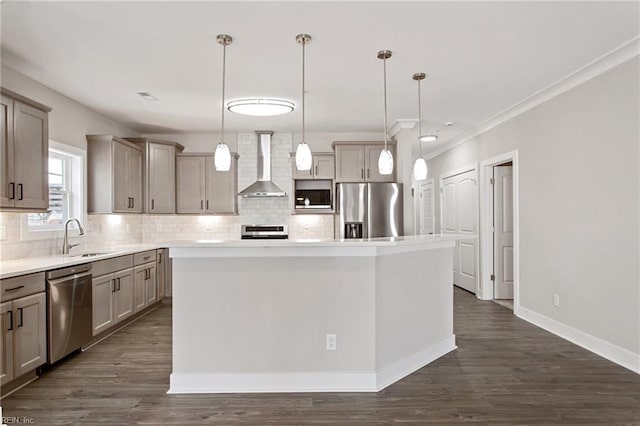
x,y
313,195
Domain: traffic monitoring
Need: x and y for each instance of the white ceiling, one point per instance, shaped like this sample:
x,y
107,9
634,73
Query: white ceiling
x,y
480,57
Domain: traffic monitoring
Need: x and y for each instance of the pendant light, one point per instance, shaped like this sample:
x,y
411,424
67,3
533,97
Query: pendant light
x,y
385,161
420,166
222,156
303,153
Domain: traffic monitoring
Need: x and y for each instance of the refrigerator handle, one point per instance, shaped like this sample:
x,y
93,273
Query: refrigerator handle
x,y
367,213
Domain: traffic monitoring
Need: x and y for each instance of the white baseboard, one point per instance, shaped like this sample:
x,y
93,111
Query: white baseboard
x,y
308,381
273,382
614,353
393,372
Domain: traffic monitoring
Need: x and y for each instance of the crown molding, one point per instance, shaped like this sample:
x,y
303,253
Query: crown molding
x,y
604,63
401,124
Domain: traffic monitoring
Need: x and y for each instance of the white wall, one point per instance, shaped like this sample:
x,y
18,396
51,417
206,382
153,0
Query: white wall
x,y
69,121
579,165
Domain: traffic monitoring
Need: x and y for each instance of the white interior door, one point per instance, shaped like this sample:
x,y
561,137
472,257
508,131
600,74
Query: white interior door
x,y
503,232
425,208
460,216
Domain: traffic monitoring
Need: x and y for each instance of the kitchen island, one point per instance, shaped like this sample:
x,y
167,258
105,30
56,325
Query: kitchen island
x,y
260,316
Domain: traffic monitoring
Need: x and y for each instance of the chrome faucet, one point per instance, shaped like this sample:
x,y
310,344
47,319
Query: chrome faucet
x,y
65,243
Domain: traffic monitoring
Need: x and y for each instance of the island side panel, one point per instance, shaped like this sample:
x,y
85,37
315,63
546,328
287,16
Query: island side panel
x,y
271,315
414,311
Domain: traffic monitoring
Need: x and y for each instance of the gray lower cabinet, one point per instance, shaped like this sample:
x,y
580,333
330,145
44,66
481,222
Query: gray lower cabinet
x,y
24,330
144,282
161,272
114,175
112,287
24,153
159,174
112,299
201,189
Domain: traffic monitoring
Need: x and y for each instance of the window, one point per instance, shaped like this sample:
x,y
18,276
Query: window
x,y
59,194
66,188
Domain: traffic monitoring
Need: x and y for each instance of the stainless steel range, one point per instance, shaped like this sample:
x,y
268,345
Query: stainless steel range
x,y
264,232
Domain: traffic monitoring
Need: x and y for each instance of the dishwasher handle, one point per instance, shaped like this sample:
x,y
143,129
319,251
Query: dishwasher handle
x,y
69,277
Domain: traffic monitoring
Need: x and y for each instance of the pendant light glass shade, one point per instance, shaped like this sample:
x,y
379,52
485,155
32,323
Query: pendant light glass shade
x,y
385,160
304,159
222,156
420,169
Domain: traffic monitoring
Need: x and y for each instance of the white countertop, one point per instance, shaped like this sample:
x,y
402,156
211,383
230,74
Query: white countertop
x,y
30,265
248,248
311,247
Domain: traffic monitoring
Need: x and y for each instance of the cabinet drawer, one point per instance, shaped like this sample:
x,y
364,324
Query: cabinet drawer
x,y
108,266
24,285
144,257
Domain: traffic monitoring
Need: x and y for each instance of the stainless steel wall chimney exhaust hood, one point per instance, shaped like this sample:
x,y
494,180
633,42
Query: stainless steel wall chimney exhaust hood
x,y
263,187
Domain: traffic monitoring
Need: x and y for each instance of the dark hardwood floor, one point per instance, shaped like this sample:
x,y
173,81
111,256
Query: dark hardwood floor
x,y
505,371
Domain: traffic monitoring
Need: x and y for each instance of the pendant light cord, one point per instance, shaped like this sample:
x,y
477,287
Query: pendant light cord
x,y
224,68
384,62
419,119
303,127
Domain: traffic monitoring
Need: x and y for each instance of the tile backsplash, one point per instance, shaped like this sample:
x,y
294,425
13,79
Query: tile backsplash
x,y
103,231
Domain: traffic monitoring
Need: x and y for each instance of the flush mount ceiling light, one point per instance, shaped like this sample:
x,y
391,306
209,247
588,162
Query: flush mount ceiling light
x,y
303,153
222,156
385,161
429,138
420,166
261,107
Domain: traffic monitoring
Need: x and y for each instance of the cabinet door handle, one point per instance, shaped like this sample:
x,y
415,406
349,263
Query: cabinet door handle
x,y
368,173
12,191
133,202
113,285
118,289
201,204
316,170
14,288
10,314
362,173
153,204
20,191
20,319
207,204
159,258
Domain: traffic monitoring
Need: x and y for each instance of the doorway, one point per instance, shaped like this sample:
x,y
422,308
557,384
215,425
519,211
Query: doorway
x,y
502,182
499,230
459,213
425,213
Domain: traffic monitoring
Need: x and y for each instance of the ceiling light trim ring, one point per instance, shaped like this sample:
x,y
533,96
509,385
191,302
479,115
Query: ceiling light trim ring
x,y
261,107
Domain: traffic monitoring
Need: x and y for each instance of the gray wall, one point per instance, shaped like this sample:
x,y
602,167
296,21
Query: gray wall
x,y
579,203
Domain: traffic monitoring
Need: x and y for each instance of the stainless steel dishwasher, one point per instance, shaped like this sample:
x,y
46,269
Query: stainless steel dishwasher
x,y
69,310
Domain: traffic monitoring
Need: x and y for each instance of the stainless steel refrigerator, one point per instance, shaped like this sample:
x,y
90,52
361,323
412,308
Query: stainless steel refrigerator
x,y
369,210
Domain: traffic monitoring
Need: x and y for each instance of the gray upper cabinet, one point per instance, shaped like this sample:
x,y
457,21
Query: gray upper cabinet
x,y
358,161
203,190
114,175
323,167
24,156
159,174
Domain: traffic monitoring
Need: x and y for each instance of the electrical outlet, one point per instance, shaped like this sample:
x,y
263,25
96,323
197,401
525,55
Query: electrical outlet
x,y
556,300
3,233
332,342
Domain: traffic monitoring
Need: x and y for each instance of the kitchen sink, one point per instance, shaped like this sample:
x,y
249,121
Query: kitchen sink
x,y
93,254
